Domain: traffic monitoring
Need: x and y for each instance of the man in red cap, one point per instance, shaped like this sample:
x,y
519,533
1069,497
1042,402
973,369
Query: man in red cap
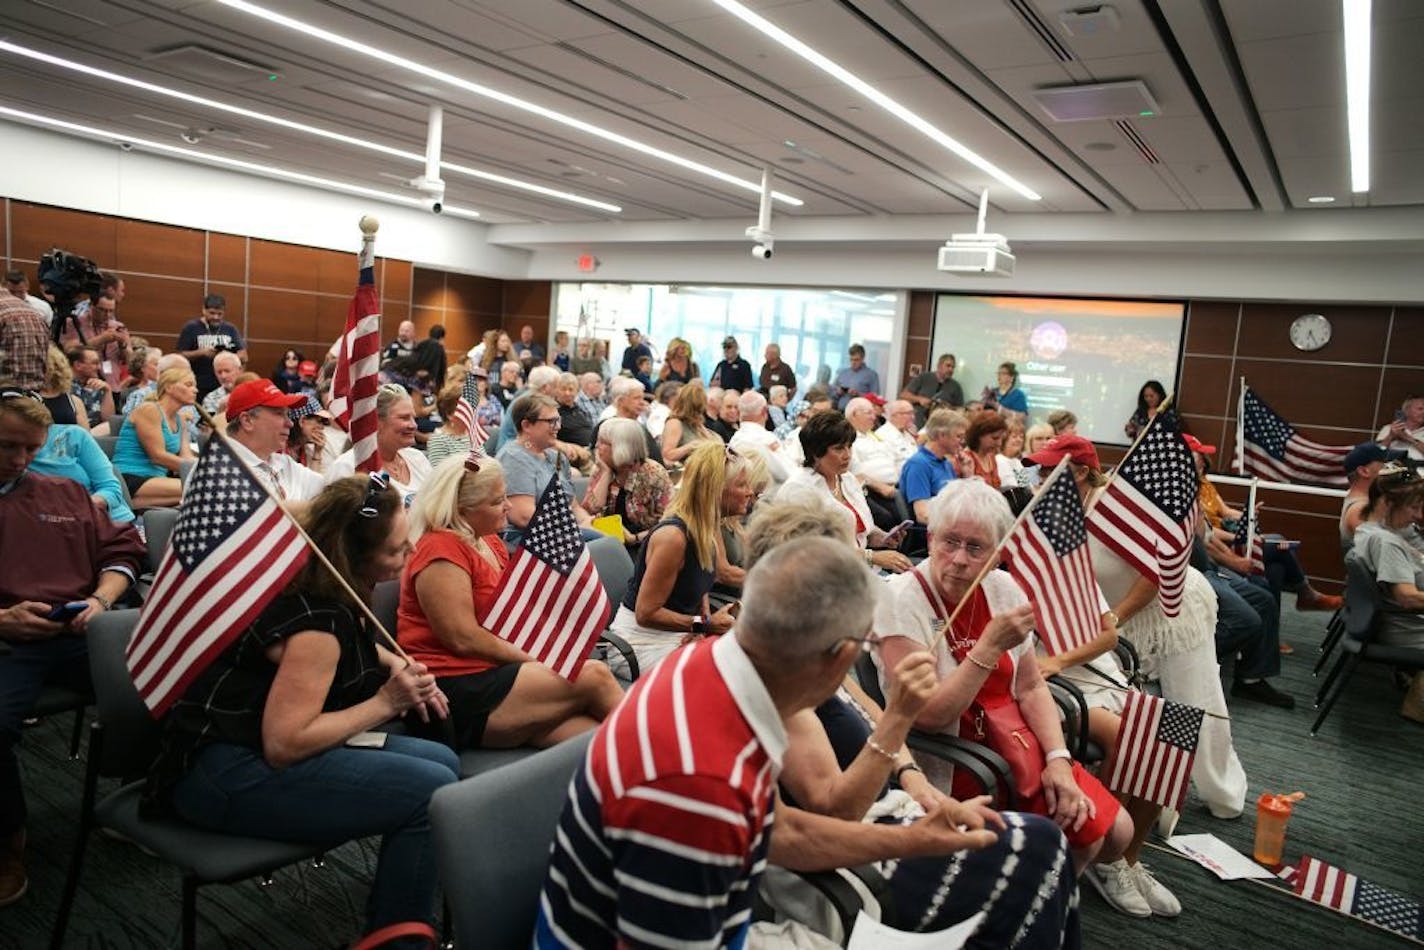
x,y
257,427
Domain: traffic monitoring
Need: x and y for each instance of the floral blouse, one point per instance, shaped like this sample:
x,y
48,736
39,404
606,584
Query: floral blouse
x,y
645,496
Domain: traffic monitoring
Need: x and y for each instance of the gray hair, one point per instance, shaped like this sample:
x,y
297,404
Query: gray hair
x,y
751,404
625,438
387,396
803,598
774,524
542,378
227,356
943,421
777,390
172,361
975,501
623,385
567,379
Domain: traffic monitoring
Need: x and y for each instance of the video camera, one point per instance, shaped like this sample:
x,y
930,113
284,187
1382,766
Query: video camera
x,y
68,277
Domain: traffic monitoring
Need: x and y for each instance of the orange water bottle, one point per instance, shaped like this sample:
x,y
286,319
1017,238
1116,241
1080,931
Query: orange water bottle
x,y
1272,814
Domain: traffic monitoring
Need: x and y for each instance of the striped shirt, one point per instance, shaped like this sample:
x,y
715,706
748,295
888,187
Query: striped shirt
x,y
664,835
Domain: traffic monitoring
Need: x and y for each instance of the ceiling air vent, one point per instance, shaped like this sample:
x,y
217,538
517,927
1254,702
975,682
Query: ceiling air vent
x,y
210,65
1099,100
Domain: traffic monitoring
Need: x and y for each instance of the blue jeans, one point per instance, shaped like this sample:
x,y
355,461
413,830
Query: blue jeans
x,y
1248,623
335,796
24,672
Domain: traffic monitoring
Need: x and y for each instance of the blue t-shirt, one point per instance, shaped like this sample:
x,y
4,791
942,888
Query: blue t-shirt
x,y
71,452
924,474
863,380
1014,400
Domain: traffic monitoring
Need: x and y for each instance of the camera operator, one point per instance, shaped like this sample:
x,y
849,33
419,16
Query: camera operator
x,y
204,337
103,333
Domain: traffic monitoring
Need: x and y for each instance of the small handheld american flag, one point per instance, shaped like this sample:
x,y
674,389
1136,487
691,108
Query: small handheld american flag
x,y
467,412
1156,743
550,601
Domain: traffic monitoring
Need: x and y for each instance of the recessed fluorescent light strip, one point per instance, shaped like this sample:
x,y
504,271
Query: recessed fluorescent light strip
x,y
1357,90
417,157
487,92
269,170
920,124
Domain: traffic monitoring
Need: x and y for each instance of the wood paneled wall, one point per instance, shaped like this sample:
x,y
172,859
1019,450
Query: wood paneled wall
x,y
1341,394
279,295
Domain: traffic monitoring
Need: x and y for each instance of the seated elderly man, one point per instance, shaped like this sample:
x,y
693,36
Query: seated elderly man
x,y
874,461
663,838
227,366
258,424
591,398
899,429
65,562
754,436
932,465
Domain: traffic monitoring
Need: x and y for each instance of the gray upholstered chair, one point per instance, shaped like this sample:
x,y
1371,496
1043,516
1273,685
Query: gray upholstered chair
x,y
123,743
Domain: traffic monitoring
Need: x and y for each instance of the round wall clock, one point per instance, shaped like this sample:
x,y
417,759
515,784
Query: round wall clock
x,y
1310,331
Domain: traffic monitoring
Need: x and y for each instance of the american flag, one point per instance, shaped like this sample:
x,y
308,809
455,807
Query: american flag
x,y
550,601
1339,890
1156,743
233,550
1048,555
466,413
1147,514
1274,450
358,361
1247,542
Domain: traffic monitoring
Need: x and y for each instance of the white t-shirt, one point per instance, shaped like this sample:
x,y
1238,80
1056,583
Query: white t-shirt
x,y
1386,438
901,441
756,438
874,458
415,460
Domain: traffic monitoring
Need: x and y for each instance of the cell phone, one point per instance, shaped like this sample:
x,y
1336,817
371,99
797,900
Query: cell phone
x,y
367,740
67,612
899,529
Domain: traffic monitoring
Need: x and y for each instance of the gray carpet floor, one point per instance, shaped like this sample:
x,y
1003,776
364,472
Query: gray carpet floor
x,y
1362,775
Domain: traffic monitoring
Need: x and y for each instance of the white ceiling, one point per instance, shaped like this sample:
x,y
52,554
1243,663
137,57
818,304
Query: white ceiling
x,y
1251,95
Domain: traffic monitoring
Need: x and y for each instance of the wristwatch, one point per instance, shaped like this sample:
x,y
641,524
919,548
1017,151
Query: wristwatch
x,y
699,624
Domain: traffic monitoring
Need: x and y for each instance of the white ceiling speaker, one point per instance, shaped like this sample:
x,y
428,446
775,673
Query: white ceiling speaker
x,y
1084,102
1090,21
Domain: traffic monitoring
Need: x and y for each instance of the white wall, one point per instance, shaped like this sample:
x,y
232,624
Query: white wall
x,y
50,168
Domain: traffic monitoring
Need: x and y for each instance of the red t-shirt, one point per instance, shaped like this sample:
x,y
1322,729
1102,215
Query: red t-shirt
x,y
413,629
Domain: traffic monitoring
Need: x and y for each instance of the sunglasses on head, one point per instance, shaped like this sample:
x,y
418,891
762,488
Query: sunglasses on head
x,y
1396,473
379,482
21,394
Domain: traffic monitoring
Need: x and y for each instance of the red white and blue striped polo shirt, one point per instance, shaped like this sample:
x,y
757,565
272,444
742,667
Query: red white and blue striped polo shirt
x,y
665,830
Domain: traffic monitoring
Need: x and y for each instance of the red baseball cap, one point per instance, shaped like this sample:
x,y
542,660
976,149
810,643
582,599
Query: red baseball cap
x,y
1196,445
307,368
875,399
260,392
1074,447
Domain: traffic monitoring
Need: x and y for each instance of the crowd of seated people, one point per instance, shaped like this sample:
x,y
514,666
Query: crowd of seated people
x,y
738,484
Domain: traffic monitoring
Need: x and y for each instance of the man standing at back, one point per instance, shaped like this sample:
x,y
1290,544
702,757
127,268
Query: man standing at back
x,y
932,386
636,348
857,379
204,337
776,373
732,372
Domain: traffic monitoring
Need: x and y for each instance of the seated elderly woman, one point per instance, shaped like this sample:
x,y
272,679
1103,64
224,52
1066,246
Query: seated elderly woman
x,y
499,696
839,762
1396,504
153,441
530,462
627,483
825,478
985,657
675,570
395,444
257,744
1179,651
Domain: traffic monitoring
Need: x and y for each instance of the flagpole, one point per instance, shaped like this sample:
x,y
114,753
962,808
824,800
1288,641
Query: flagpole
x,y
1093,501
1250,515
991,562
320,555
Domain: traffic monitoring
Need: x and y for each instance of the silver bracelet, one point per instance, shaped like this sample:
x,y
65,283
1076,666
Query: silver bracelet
x,y
989,667
877,747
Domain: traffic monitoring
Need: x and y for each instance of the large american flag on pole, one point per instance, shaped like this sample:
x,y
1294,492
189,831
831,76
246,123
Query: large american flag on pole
x,y
358,362
233,550
1272,449
1147,514
466,412
1047,554
1341,891
1156,743
550,601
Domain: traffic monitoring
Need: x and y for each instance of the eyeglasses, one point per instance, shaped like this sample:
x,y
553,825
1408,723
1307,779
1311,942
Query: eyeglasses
x,y
868,643
554,421
971,548
379,482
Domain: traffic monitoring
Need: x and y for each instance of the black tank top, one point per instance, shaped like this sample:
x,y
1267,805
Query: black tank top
x,y
693,581
61,407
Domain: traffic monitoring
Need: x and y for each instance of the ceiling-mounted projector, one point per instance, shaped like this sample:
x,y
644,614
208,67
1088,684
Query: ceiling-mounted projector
x,y
979,253
984,254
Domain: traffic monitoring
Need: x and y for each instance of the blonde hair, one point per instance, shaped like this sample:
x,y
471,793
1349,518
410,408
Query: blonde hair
x,y
698,501
1039,430
775,524
451,489
59,375
689,406
173,376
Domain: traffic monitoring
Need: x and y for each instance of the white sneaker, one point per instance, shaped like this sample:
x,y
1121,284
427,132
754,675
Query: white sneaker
x,y
1117,884
1162,901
